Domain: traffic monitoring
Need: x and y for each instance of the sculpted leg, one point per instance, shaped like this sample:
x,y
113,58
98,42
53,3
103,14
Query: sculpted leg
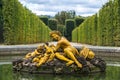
x,y
61,57
71,56
51,57
42,60
35,60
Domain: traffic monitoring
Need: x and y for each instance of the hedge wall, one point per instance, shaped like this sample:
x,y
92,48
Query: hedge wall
x,y
70,25
102,28
52,23
1,22
44,19
21,25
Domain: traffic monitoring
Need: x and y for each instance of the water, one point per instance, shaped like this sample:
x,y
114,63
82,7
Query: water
x,y
6,73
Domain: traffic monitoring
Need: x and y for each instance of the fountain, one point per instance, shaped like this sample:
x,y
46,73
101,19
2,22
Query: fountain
x,y
61,58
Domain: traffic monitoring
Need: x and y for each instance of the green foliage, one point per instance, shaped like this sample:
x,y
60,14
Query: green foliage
x,y
78,20
116,22
44,19
52,23
61,28
75,35
70,25
63,15
21,25
1,22
103,28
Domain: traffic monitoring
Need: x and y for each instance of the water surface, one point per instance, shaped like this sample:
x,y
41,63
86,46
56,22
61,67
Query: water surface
x,y
6,73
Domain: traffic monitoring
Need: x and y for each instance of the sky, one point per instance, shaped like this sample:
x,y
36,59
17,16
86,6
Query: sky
x,y
52,7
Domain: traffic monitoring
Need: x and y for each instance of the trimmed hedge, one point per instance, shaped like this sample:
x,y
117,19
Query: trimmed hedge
x,y
70,25
21,26
1,22
52,23
44,19
61,28
78,21
101,29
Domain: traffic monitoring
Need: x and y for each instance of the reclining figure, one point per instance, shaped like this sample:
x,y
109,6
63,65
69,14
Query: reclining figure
x,y
46,54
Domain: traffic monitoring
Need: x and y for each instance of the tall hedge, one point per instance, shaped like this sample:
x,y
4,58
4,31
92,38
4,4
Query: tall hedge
x,y
102,28
44,19
75,35
52,23
21,25
78,21
70,25
1,22
61,28
116,22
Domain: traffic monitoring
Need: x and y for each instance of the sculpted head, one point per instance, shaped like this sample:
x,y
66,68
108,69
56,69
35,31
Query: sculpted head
x,y
40,48
56,35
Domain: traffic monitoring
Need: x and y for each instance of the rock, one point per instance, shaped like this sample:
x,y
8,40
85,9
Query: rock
x,y
58,67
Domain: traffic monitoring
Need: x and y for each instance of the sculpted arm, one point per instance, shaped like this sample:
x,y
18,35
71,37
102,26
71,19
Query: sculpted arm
x,y
57,46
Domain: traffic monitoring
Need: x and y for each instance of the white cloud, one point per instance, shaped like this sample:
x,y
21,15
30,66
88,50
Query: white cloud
x,y
51,7
44,12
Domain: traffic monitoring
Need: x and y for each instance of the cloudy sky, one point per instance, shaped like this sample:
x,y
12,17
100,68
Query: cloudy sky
x,y
51,7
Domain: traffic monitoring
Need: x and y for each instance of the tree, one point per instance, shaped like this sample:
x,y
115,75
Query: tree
x,y
63,15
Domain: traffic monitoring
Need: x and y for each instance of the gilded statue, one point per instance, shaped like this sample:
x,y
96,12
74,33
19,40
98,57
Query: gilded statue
x,y
68,49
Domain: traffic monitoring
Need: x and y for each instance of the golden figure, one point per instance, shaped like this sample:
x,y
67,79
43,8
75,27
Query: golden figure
x,y
87,53
64,44
41,50
38,52
32,54
48,56
37,58
59,56
63,58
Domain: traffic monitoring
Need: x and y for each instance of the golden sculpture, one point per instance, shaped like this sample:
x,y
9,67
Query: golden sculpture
x,y
63,58
46,53
64,44
32,54
87,53
36,52
51,57
48,56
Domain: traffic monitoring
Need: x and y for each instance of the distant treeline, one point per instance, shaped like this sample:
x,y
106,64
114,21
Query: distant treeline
x,y
102,28
63,23
18,25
